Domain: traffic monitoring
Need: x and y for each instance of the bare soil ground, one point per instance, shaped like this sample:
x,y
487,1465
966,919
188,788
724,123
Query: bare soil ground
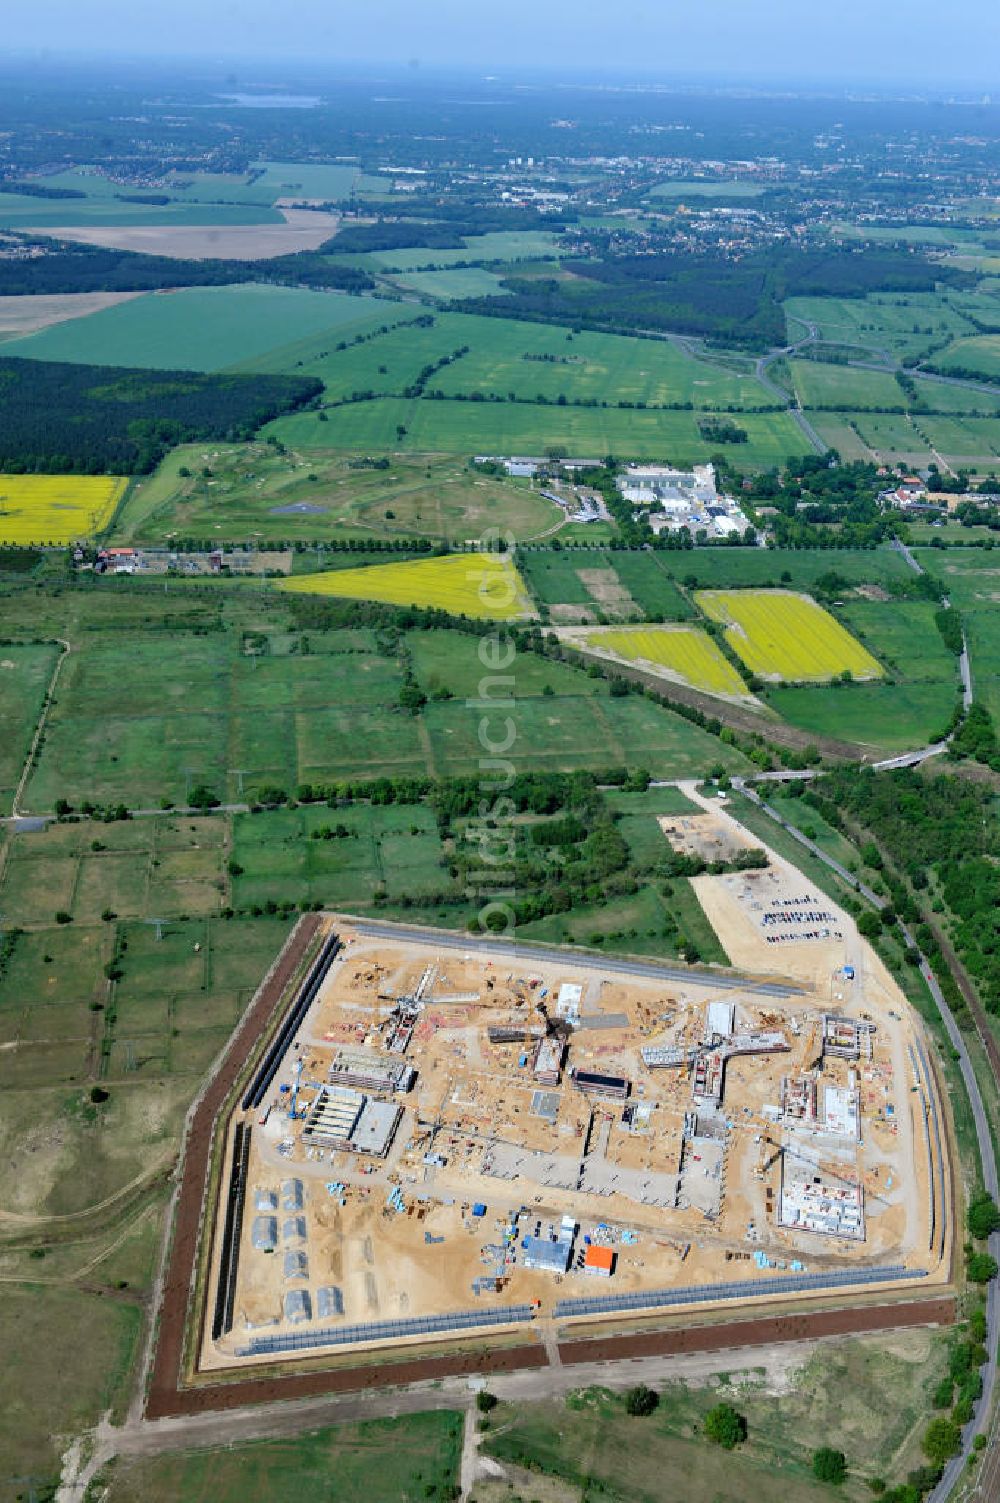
x,y
304,229
26,315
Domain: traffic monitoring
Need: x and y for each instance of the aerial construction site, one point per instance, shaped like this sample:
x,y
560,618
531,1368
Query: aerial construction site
x,y
443,1138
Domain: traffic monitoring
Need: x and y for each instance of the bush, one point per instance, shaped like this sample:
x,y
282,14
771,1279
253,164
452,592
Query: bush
x,y
485,1401
726,1426
981,1268
641,1400
941,1440
983,1216
830,1465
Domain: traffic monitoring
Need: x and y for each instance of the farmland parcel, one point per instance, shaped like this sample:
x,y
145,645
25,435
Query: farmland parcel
x,y
781,635
483,585
682,652
56,509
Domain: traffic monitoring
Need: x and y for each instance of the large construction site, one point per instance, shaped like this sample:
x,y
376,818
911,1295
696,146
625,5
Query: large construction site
x,y
443,1138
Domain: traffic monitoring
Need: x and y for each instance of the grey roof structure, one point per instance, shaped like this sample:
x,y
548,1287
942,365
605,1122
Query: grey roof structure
x,y
291,1195
547,1253
298,1306
296,1265
294,1229
265,1200
375,1127
329,1301
264,1234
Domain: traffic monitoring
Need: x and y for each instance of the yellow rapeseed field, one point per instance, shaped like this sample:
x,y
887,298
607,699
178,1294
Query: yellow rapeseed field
x,y
781,635
56,509
685,650
484,585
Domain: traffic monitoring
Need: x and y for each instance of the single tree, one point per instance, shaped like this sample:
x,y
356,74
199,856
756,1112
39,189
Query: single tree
x,y
830,1465
726,1426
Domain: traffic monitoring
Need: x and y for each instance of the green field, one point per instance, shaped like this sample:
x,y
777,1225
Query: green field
x,y
621,585
979,352
454,282
897,324
733,568
818,385
403,1460
538,360
255,493
518,428
910,708
200,328
707,188
25,673
837,1398
502,246
972,579
326,180
25,212
315,707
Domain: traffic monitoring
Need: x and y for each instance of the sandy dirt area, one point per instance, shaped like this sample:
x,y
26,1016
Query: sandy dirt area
x,y
26,315
304,229
680,1165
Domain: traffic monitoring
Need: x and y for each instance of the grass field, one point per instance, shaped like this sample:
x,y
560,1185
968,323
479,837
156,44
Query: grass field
x,y
774,568
255,493
539,360
898,324
23,211
819,385
979,352
972,579
56,509
780,635
452,282
501,246
144,714
912,439
403,1460
684,651
707,188
586,584
483,585
836,1398
25,673
527,428
201,328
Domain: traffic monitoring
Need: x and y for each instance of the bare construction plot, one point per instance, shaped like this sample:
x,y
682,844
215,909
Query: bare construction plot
x,y
448,1140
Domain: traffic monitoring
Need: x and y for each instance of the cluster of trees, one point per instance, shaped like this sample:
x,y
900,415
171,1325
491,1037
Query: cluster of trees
x,y
736,302
85,419
945,826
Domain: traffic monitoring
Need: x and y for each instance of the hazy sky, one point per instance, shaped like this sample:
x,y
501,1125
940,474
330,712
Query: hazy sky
x,y
895,42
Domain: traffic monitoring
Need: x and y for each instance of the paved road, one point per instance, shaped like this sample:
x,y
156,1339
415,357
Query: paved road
x,y
981,1420
721,980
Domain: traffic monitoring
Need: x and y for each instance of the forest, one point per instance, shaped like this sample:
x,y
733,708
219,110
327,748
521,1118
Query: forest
x,y
87,419
54,266
734,302
932,826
